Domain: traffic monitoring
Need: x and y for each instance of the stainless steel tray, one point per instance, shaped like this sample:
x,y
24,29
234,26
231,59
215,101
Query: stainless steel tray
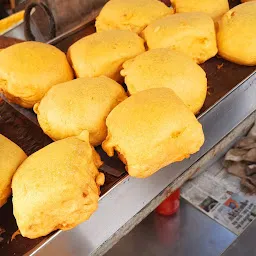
x,y
231,98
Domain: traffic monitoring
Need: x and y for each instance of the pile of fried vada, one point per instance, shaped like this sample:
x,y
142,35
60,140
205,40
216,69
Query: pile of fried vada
x,y
81,103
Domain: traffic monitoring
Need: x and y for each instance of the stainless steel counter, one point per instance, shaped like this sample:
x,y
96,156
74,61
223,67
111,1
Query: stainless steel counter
x,y
187,233
244,245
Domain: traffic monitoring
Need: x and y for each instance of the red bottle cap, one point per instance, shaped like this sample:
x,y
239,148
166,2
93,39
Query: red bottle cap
x,y
170,205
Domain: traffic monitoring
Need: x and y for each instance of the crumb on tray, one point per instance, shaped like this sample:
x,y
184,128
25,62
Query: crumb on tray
x,y
16,233
220,66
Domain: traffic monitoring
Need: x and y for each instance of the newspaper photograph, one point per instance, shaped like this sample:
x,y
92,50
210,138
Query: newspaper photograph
x,y
218,194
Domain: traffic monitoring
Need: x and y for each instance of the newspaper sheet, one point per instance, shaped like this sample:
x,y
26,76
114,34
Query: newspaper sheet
x,y
218,194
